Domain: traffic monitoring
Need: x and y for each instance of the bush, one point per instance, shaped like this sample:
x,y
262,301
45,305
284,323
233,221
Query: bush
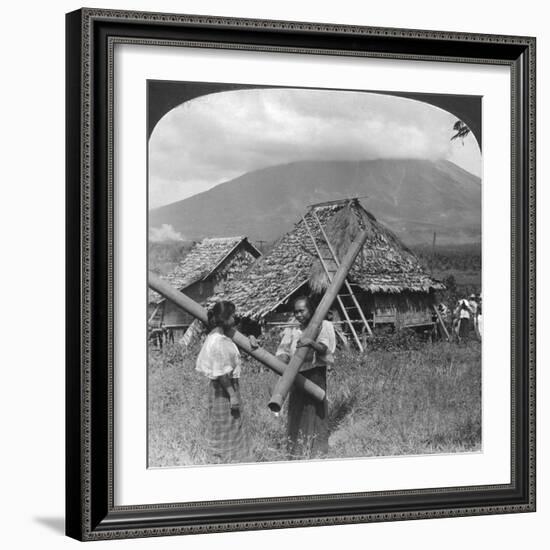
x,y
388,339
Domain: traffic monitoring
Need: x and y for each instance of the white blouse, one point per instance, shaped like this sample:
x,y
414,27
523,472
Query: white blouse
x,y
218,356
326,336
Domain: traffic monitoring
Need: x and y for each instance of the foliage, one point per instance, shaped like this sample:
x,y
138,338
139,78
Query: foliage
x,y
461,130
445,258
458,266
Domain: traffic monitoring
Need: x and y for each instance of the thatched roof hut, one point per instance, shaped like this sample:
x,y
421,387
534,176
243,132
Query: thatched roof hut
x,y
386,273
205,258
205,270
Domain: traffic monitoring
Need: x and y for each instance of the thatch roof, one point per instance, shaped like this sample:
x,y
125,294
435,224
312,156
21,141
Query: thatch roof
x,y
202,261
385,264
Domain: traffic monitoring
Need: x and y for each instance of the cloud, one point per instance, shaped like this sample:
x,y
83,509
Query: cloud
x,y
164,233
218,137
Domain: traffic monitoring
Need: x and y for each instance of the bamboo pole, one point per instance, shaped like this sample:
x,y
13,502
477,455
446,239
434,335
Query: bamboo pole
x,y
311,331
262,355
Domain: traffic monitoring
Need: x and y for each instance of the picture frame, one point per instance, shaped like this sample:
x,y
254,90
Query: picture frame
x,y
91,512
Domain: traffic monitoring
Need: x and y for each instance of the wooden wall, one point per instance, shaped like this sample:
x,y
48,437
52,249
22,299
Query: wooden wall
x,y
406,309
403,309
173,315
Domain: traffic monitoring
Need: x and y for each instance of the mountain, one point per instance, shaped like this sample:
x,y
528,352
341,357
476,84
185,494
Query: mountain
x,y
412,197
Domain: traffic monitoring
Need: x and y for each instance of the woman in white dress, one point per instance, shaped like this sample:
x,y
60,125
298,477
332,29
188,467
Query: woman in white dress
x,y
219,360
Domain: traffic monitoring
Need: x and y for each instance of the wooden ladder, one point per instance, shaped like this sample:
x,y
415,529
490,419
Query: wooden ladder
x,y
346,308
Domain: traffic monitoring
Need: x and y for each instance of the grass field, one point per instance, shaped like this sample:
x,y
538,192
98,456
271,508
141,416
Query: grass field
x,y
381,403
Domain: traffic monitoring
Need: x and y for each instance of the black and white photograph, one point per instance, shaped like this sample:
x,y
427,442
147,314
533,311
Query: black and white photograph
x,y
317,269
300,276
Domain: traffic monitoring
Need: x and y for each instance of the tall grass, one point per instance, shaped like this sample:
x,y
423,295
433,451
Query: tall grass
x,y
381,403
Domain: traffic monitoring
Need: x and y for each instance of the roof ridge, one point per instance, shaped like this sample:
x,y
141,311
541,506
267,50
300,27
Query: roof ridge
x,y
335,202
223,239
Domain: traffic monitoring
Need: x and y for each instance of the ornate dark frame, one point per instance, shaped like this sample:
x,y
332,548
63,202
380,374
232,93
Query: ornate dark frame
x,y
90,512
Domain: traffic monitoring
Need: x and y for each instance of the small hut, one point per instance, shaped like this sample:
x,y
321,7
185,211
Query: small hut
x,y
205,270
387,280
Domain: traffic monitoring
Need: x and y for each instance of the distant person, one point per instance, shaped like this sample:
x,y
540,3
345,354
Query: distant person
x,y
307,427
479,321
463,314
473,306
455,327
479,318
220,361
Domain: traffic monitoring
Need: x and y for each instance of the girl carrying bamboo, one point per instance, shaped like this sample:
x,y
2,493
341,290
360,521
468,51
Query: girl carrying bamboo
x,y
308,418
220,361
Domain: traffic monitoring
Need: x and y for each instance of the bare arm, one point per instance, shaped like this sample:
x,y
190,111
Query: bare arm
x,y
225,381
317,346
283,351
284,357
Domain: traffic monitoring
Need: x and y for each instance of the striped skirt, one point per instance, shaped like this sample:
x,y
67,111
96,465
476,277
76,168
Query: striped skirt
x,y
226,433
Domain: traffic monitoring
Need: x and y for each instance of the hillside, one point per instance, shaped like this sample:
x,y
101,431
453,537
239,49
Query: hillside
x,y
414,198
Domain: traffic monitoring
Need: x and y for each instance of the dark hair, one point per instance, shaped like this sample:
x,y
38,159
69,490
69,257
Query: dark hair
x,y
220,312
306,299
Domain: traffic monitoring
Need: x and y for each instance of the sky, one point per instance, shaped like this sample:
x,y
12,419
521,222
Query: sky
x,y
218,137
